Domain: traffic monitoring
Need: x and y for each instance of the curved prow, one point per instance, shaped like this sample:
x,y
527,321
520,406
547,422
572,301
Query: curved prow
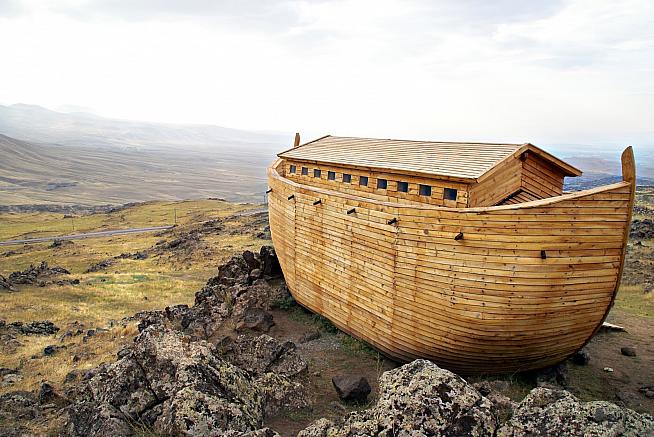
x,y
628,175
628,165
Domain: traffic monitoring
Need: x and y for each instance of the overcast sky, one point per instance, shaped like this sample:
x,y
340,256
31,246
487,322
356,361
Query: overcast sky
x,y
579,71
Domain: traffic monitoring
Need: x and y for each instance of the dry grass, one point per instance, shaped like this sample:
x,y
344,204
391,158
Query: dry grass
x,y
33,225
127,287
633,299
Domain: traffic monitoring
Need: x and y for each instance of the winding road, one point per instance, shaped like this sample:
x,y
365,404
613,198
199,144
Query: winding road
x,y
114,232
86,235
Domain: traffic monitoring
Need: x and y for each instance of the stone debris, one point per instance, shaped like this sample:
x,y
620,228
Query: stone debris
x,y
642,229
40,275
581,357
418,399
175,385
351,388
628,351
545,412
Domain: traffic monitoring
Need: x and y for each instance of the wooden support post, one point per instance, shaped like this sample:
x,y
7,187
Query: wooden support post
x,y
291,197
459,236
317,202
350,211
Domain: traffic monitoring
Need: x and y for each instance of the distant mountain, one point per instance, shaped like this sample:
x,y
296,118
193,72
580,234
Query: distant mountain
x,y
38,124
41,173
79,158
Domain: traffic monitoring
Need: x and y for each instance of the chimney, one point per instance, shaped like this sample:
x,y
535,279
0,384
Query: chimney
x,y
297,140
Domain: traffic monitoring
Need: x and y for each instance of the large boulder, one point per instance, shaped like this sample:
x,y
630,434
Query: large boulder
x,y
175,385
264,354
168,382
547,412
351,388
418,398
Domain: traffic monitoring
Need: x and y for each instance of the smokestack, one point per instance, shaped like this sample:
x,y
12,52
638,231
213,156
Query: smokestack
x,y
297,140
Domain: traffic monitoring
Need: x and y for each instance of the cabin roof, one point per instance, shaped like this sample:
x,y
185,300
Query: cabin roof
x,y
449,160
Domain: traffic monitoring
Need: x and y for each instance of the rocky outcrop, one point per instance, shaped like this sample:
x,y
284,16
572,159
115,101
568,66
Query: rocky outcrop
x,y
36,275
5,284
264,354
418,398
175,385
235,294
642,229
40,275
546,412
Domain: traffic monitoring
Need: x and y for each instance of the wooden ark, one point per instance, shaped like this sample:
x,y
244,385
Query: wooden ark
x,y
466,254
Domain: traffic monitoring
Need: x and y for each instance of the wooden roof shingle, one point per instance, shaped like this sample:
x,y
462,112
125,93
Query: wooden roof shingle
x,y
456,161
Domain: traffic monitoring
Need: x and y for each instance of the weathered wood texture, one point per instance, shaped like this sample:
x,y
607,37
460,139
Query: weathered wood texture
x,y
488,302
389,194
464,162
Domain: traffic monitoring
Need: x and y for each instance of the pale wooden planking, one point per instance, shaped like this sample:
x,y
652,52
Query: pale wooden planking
x,y
412,291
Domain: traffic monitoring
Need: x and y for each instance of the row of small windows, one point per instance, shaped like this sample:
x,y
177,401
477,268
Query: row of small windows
x,y
382,184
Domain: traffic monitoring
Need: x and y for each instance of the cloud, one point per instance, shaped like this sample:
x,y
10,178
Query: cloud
x,y
540,71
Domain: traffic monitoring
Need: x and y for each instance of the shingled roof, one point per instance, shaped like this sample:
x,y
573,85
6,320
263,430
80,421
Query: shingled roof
x,y
457,161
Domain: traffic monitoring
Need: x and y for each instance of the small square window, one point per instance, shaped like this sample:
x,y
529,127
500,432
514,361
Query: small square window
x,y
347,178
382,184
305,171
403,187
425,190
331,175
293,169
449,194
316,173
363,181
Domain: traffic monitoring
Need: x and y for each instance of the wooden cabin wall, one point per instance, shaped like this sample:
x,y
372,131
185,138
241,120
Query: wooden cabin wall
x,y
489,302
390,194
506,180
533,174
540,177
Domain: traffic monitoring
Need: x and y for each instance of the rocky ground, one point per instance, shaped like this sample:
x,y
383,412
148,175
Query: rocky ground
x,y
41,275
244,360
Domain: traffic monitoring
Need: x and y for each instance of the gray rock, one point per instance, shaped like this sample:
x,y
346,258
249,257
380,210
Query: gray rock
x,y
581,357
351,387
47,393
251,260
179,386
269,262
628,351
503,406
44,327
310,336
18,405
546,412
256,320
52,349
417,399
263,354
553,376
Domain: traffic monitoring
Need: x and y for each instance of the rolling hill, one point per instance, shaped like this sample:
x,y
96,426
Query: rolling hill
x,y
37,173
83,159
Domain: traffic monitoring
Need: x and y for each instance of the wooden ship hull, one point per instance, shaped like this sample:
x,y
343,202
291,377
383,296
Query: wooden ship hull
x,y
476,290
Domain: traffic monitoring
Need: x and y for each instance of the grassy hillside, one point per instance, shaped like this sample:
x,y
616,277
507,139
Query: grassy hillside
x,y
32,173
208,233
169,276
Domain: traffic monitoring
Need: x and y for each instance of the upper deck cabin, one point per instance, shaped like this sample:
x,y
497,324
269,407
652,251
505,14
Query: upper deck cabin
x,y
449,174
